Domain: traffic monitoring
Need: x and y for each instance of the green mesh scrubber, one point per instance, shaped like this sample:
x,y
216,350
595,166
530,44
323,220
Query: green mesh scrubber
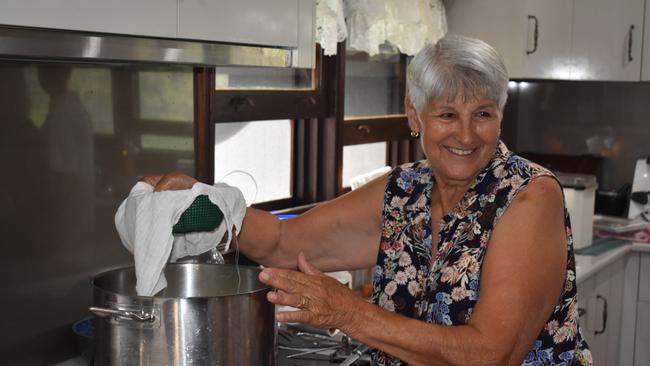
x,y
202,215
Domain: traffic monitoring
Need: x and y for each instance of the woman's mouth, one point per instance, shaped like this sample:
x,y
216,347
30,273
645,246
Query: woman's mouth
x,y
459,152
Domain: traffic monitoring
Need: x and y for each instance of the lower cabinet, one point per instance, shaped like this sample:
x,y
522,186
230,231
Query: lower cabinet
x,y
642,342
642,339
600,300
614,311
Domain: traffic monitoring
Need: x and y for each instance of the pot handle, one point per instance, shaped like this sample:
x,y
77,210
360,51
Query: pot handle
x,y
140,316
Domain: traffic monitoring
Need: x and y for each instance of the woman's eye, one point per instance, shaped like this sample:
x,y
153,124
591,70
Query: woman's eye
x,y
484,114
446,115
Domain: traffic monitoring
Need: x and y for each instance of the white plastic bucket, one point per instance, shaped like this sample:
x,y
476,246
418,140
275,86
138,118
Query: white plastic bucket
x,y
580,199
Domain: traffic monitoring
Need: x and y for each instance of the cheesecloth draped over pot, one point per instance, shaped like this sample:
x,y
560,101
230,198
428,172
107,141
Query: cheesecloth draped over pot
x,y
145,219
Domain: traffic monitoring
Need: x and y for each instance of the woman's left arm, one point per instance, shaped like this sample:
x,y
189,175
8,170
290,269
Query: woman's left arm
x,y
521,280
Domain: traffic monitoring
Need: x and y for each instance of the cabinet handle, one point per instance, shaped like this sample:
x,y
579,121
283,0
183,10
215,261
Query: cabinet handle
x,y
363,129
582,312
535,34
240,103
629,43
598,297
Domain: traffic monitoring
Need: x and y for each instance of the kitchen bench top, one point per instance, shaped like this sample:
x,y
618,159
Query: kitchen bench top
x,y
588,265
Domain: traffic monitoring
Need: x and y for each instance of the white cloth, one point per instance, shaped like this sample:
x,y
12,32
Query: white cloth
x,y
145,219
330,25
407,25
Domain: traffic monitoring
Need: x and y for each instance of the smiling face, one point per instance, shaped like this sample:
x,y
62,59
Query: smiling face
x,y
459,136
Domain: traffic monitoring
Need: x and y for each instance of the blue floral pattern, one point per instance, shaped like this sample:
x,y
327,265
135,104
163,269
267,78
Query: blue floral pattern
x,y
444,290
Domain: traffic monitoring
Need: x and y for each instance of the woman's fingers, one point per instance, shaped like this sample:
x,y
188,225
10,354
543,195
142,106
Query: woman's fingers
x,y
322,301
284,279
284,298
169,182
300,316
174,181
152,180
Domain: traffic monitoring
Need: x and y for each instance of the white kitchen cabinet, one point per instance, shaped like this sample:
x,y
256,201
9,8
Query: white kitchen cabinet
x,y
279,23
642,343
286,23
586,290
630,304
644,273
645,67
576,39
601,296
607,39
156,18
531,35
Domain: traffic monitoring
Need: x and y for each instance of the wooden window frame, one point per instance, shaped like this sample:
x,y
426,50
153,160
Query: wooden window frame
x,y
392,129
320,129
313,139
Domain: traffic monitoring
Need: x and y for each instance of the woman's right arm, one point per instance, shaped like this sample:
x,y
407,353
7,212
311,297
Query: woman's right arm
x,y
343,233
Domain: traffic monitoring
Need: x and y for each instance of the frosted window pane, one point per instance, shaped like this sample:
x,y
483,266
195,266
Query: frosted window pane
x,y
373,85
261,149
263,78
161,96
360,159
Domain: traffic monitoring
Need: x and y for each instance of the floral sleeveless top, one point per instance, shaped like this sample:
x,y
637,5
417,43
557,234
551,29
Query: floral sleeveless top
x,y
444,291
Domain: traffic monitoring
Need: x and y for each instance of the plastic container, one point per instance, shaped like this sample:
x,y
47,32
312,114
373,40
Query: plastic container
x,y
580,198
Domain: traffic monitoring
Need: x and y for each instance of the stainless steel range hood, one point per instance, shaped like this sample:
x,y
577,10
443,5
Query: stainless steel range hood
x,y
39,44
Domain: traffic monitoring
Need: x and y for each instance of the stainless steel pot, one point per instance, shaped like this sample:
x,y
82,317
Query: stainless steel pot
x,y
208,315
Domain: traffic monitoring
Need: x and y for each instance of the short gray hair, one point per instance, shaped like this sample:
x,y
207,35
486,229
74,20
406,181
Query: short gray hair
x,y
457,65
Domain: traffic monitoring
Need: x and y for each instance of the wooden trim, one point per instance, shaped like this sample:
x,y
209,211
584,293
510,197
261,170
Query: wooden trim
x,y
361,131
204,135
237,105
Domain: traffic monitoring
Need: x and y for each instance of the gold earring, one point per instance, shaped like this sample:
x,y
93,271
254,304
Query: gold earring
x,y
415,134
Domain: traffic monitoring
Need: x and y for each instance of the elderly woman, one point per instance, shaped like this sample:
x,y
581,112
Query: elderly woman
x,y
471,247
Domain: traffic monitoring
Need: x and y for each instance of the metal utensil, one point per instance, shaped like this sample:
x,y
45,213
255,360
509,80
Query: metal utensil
x,y
356,354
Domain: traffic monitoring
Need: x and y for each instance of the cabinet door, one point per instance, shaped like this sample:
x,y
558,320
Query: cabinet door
x,y
644,278
501,23
531,35
641,349
645,69
548,47
607,39
259,22
586,308
600,316
630,303
156,18
614,311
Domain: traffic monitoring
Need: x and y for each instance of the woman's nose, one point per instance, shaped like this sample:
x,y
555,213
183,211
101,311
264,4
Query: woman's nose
x,y
465,131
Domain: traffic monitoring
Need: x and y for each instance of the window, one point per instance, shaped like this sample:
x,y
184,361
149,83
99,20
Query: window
x,y
263,78
362,158
374,86
258,129
374,128
256,157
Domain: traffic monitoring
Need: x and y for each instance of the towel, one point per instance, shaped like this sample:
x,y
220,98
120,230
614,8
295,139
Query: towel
x,y
144,223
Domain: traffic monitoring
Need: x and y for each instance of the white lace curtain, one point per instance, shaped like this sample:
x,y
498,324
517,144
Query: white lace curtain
x,y
406,25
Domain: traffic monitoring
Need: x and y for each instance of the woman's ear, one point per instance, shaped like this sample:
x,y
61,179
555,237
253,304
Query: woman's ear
x,y
411,114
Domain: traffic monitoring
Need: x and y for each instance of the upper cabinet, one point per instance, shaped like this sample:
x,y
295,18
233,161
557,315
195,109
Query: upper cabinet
x,y
557,39
530,35
279,23
607,40
285,23
645,68
155,18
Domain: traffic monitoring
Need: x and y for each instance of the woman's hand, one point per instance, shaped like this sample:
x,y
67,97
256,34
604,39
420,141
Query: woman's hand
x,y
322,301
169,182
